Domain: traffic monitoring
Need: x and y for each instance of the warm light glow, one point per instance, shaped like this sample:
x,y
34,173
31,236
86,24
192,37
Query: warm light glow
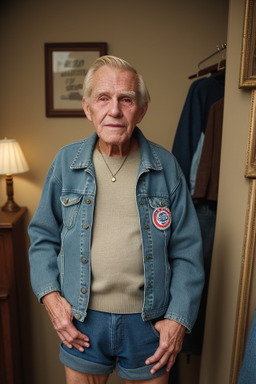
x,y
12,160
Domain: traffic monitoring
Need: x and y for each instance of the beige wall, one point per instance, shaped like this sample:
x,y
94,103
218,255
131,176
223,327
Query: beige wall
x,y
165,40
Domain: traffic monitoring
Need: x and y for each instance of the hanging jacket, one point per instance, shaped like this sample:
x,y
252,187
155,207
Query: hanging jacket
x,y
202,94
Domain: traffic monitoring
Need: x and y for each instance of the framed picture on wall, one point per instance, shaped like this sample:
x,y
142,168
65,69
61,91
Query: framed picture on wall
x,y
66,65
250,166
248,55
247,293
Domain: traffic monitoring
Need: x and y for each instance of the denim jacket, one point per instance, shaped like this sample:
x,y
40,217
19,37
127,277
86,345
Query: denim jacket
x,y
61,229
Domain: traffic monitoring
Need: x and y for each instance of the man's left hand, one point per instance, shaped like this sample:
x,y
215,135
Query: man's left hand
x,y
170,344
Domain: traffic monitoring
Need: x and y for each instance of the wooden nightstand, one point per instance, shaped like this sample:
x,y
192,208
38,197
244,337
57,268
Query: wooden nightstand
x,y
13,283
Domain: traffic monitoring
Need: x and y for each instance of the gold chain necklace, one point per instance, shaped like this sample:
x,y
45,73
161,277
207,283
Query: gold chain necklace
x,y
113,174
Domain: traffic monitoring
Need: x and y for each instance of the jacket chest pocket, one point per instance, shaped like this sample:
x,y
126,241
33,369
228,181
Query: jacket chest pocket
x,y
70,206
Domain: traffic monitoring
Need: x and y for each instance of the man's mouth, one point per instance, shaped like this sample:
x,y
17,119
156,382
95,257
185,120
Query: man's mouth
x,y
114,126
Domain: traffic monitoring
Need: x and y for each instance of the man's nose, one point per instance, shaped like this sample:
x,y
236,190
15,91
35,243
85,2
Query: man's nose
x,y
115,108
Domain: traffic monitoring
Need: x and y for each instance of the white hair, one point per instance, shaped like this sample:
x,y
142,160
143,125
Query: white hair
x,y
114,62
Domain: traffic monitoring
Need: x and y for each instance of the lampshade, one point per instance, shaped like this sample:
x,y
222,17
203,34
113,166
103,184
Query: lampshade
x,y
12,160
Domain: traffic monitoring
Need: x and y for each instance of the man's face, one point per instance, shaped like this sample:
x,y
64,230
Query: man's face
x,y
114,105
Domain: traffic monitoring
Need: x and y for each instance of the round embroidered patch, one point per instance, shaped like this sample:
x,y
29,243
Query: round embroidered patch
x,y
162,218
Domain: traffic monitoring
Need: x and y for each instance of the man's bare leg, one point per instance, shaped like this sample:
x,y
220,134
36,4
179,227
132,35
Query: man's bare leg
x,y
163,379
75,377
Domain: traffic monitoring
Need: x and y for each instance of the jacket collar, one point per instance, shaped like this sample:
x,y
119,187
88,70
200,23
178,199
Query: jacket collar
x,y
149,158
83,157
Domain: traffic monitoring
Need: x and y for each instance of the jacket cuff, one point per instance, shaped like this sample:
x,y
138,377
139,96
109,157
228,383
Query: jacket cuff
x,y
179,319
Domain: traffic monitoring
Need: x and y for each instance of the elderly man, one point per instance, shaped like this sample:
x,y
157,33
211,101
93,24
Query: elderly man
x,y
115,244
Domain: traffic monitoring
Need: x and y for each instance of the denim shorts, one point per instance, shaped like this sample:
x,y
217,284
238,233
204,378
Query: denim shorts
x,y
121,341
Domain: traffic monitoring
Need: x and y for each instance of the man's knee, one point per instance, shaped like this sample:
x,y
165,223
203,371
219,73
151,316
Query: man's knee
x,y
75,377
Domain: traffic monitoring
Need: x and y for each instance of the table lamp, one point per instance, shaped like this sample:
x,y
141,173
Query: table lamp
x,y
12,161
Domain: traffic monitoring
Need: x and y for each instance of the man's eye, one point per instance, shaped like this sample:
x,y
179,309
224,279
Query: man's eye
x,y
127,100
102,98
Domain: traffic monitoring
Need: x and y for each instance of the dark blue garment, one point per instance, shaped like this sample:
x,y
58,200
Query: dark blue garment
x,y
206,213
202,94
248,370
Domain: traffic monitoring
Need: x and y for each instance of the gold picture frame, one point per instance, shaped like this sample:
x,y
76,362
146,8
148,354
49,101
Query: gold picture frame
x,y
245,304
250,166
245,286
248,56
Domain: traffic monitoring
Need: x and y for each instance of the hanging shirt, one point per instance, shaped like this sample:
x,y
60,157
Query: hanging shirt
x,y
202,94
207,180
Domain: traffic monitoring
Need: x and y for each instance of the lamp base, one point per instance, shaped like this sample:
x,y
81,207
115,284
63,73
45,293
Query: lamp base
x,y
10,206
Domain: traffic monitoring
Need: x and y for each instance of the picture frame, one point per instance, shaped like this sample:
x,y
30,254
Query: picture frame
x,y
246,296
250,166
66,65
247,285
248,55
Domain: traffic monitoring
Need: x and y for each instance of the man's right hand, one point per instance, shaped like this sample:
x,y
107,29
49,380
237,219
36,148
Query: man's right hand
x,y
61,317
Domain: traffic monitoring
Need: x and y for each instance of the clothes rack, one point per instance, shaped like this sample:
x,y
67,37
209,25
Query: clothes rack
x,y
220,66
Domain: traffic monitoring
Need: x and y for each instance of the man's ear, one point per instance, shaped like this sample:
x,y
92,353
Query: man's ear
x,y
86,109
142,112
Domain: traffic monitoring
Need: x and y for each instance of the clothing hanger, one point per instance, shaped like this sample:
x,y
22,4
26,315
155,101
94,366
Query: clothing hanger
x,y
216,69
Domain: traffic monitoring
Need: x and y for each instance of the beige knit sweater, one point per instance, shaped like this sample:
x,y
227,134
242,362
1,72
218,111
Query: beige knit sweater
x,y
117,284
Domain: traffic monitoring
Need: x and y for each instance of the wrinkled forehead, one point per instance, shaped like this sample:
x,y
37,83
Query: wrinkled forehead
x,y
115,79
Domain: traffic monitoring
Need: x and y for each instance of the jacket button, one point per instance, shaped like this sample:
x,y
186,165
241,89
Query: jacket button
x,y
147,316
84,260
141,203
149,286
146,226
162,204
149,256
66,201
83,290
88,201
77,316
85,226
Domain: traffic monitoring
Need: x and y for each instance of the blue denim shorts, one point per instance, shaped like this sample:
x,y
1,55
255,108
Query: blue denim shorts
x,y
121,341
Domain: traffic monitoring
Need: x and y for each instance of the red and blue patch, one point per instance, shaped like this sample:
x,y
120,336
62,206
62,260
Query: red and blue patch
x,y
162,218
